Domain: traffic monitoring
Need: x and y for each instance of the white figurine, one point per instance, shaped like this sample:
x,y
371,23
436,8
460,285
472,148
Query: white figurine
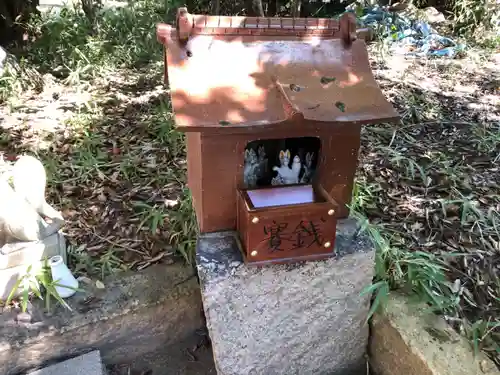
x,y
286,174
284,158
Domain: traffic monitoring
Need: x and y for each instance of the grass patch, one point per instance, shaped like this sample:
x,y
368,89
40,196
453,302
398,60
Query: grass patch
x,y
431,207
71,44
427,194
116,165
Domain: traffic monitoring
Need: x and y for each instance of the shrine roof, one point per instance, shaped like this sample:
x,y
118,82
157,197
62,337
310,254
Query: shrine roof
x,y
233,72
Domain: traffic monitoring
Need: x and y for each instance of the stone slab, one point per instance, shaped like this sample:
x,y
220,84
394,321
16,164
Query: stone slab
x,y
303,318
408,339
86,364
15,261
137,313
20,253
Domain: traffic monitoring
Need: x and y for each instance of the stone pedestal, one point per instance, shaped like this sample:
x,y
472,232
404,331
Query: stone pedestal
x,y
295,319
15,258
87,364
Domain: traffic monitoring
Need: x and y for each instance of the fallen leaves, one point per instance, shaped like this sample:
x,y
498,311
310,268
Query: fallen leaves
x,y
437,188
116,170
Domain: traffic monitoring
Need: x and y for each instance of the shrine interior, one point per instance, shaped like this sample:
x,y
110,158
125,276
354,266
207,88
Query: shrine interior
x,y
264,154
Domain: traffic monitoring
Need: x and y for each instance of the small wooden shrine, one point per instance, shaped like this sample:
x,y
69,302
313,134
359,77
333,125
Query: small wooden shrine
x,y
272,109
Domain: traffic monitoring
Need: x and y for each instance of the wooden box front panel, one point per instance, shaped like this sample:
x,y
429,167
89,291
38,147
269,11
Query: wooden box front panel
x,y
286,233
223,163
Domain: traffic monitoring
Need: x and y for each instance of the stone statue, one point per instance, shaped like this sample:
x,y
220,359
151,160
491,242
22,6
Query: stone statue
x,y
287,175
255,166
22,205
30,181
251,164
308,171
262,168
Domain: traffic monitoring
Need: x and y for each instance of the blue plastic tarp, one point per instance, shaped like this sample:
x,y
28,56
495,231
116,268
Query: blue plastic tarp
x,y
409,37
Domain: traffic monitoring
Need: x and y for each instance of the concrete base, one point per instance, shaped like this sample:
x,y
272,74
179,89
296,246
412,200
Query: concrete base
x,y
303,318
15,258
87,364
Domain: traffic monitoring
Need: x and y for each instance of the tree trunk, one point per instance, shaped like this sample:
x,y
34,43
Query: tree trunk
x,y
91,8
296,6
272,8
254,8
215,7
14,14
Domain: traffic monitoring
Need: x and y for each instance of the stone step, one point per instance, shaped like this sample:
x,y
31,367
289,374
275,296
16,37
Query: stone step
x,y
87,364
137,313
